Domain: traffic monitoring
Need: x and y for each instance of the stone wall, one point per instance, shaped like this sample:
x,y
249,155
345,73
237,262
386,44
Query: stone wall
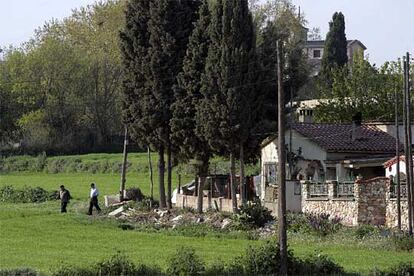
x,y
344,208
187,201
391,210
366,206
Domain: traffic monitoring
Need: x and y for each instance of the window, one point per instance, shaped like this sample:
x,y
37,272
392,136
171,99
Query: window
x,y
270,173
316,53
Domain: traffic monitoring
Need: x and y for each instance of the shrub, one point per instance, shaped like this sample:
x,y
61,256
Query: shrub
x,y
402,269
68,270
322,224
27,195
403,242
185,262
118,264
35,195
18,272
253,215
134,193
298,223
365,230
319,264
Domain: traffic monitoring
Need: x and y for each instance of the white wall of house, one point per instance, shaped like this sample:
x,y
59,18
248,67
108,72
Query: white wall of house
x,y
309,150
392,171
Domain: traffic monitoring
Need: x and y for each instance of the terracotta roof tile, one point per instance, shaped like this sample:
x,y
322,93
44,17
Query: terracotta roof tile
x,y
338,137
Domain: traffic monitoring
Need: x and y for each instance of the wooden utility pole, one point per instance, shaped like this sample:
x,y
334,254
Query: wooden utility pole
x,y
151,176
397,154
124,165
281,169
408,143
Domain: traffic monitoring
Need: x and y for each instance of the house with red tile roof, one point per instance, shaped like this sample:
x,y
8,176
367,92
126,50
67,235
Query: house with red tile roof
x,y
325,152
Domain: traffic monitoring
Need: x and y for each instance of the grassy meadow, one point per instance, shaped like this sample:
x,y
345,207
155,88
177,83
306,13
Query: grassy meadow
x,y
38,236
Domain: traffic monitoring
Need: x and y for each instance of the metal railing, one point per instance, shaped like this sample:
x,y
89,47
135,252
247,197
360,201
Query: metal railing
x,y
403,189
344,189
318,189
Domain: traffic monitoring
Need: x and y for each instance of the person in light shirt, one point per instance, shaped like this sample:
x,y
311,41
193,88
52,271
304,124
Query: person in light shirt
x,y
93,199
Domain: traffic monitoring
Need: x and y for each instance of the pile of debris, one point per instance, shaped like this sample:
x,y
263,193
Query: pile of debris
x,y
170,218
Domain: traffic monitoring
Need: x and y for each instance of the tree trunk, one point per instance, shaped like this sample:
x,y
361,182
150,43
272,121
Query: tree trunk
x,y
200,194
243,190
233,184
281,169
151,176
169,177
202,173
161,171
124,164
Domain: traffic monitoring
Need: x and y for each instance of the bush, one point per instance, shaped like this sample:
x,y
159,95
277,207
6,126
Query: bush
x,y
319,264
322,224
27,195
134,194
403,242
185,262
18,272
402,269
118,264
68,270
252,215
365,230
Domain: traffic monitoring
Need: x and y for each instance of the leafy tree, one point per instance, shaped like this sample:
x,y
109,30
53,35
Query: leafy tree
x,y
365,89
335,51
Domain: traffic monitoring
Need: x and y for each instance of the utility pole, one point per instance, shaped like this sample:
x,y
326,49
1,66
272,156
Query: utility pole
x,y
408,143
410,154
281,169
124,165
397,154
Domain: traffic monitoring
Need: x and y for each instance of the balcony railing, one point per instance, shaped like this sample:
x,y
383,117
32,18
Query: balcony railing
x,y
318,189
345,189
403,189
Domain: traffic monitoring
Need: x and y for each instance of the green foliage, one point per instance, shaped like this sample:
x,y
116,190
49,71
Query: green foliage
x,y
185,262
403,242
118,264
134,193
26,195
335,51
19,272
65,83
366,231
319,264
252,215
69,270
317,224
366,89
402,269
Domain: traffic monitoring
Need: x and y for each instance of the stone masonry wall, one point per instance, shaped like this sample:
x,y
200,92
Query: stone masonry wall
x,y
370,196
391,212
344,208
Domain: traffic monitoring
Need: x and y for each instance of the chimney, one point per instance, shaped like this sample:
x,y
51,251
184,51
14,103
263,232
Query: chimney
x,y
306,116
356,122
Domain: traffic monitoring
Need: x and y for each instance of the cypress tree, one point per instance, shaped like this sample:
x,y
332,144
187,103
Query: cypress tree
x,y
153,45
187,95
335,51
223,113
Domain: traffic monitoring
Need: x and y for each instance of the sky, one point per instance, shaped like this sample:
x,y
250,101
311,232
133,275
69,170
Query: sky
x,y
385,27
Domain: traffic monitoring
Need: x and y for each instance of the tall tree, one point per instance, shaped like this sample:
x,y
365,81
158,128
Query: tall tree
x,y
154,44
223,110
335,51
188,95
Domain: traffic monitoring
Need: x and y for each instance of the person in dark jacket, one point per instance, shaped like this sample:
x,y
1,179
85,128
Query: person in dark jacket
x,y
93,195
64,196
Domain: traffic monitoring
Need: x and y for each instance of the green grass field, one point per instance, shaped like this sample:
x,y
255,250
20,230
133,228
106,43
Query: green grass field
x,y
38,236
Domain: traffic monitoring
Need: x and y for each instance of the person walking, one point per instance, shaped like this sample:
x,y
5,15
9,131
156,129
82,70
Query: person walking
x,y
64,196
93,199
